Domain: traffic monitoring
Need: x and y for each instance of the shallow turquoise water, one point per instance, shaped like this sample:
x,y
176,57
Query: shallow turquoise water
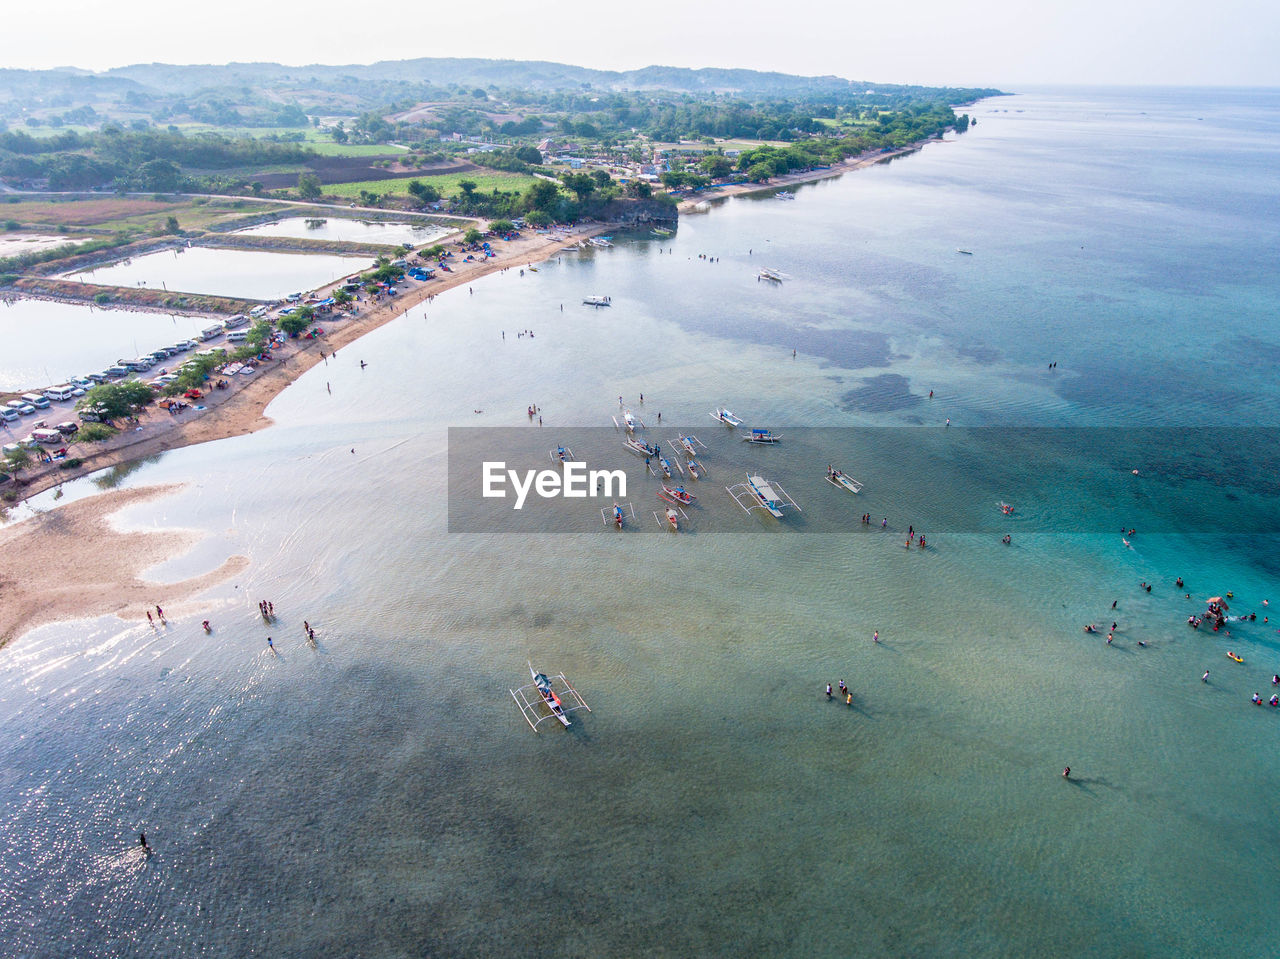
x,y
381,796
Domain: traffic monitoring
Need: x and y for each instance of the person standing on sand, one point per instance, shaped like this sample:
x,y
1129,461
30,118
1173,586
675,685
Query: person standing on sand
x,y
149,619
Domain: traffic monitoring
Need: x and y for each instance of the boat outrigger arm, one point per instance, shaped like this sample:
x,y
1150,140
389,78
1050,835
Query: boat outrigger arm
x,y
547,697
758,493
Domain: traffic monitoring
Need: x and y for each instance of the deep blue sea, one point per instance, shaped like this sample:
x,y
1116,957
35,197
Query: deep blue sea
x,y
380,794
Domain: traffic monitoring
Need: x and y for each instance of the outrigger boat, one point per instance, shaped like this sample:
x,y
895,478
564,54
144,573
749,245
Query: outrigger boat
x,y
777,276
660,231
676,494
784,195
562,454
838,478
758,493
696,469
689,444
597,301
725,417
664,467
600,241
630,422
617,515
762,436
640,448
673,516
541,699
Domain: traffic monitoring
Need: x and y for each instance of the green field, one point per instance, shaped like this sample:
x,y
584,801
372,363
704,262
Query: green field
x,y
446,183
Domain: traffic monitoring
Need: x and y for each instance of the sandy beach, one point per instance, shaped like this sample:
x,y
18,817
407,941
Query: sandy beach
x,y
48,574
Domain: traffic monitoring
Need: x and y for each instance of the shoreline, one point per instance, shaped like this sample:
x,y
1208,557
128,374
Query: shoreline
x,y
694,204
241,409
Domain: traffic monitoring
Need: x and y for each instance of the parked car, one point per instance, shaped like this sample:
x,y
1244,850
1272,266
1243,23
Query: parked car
x,y
68,429
10,415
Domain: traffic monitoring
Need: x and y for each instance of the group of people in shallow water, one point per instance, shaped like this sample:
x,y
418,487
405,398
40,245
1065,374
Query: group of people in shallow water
x,y
1215,613
844,691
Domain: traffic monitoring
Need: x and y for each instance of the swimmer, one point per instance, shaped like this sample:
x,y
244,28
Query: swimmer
x,y
1066,773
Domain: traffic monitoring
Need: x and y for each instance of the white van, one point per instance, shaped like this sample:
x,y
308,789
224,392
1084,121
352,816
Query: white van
x,y
36,400
48,437
211,332
232,322
60,393
237,336
258,311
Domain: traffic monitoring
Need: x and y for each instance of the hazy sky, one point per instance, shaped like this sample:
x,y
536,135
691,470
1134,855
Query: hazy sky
x,y
976,43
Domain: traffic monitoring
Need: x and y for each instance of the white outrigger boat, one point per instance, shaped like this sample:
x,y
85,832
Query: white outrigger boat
x,y
696,469
640,448
617,515
777,276
689,444
597,301
839,478
784,195
561,454
600,241
725,417
758,493
630,422
541,700
672,518
762,436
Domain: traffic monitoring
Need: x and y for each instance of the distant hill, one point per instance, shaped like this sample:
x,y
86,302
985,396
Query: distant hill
x,y
530,74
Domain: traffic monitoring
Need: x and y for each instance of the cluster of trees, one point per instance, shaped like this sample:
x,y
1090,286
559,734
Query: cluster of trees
x,y
620,115
149,160
577,195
